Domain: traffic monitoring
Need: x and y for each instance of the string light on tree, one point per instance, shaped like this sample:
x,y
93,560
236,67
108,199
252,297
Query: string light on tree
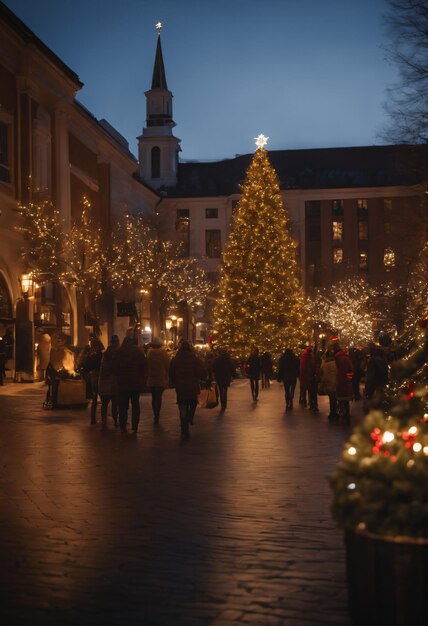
x,y
260,299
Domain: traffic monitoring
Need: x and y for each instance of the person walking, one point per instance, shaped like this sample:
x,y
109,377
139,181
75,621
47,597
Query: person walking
x,y
91,371
131,369
344,382
308,378
328,381
223,370
288,373
377,373
107,382
357,358
185,372
253,370
266,369
157,374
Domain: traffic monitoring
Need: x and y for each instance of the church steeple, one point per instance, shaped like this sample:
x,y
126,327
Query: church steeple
x,y
159,79
158,148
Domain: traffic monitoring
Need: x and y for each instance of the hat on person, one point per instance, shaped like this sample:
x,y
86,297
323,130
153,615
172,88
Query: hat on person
x,y
114,339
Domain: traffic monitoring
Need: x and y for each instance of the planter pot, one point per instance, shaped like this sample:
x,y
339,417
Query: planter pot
x,y
387,578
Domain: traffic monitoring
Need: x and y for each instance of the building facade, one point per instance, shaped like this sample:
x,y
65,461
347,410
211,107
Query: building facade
x,y
52,148
353,211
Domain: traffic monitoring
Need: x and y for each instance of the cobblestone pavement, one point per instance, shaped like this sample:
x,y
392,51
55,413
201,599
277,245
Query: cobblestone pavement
x,y
229,527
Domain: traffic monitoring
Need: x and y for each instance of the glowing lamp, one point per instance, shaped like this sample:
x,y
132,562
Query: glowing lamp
x,y
168,324
27,284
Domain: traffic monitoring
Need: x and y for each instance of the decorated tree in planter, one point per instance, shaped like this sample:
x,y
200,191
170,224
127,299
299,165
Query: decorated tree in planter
x,y
260,299
380,497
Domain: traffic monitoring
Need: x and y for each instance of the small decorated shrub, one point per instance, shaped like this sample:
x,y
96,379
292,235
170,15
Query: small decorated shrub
x,y
381,482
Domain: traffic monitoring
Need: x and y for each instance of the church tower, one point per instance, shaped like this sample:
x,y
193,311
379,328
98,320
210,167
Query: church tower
x,y
157,147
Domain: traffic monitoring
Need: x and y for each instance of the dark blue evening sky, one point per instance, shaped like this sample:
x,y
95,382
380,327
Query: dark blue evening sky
x,y
307,73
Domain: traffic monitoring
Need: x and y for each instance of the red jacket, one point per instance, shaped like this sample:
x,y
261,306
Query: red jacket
x,y
345,371
307,368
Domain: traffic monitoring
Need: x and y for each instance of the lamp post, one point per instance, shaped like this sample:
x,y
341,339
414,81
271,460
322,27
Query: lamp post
x,y
24,331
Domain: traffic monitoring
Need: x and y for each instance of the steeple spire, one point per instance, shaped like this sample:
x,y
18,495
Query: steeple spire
x,y
159,79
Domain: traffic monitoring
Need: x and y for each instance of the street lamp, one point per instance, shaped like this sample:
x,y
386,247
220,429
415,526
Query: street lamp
x,y
27,285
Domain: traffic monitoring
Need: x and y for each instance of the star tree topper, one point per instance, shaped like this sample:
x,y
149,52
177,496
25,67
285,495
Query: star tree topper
x,y
159,27
261,141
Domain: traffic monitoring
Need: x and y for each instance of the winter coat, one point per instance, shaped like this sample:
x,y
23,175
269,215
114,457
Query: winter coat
x,y
107,381
253,366
185,372
288,366
307,368
328,375
158,367
377,373
131,368
345,371
266,364
223,369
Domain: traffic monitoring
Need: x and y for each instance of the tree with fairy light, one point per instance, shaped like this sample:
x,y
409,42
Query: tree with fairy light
x,y
41,227
347,309
261,300
85,261
142,261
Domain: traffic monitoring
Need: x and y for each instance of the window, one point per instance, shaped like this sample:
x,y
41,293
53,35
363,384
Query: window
x,y
213,244
42,150
313,208
362,207
389,258
314,230
338,255
363,230
387,205
337,231
156,154
387,228
211,214
337,207
363,260
182,223
5,160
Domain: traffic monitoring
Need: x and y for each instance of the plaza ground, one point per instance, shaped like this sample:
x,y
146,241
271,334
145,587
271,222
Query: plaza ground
x,y
229,527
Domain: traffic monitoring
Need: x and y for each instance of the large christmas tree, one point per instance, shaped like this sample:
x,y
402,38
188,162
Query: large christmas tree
x,y
261,301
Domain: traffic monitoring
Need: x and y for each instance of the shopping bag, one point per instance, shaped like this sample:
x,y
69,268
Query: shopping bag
x,y
207,398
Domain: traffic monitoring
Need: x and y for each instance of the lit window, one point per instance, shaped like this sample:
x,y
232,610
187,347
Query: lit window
x,y
337,231
182,224
211,213
389,258
338,255
363,260
5,160
362,204
213,244
363,230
